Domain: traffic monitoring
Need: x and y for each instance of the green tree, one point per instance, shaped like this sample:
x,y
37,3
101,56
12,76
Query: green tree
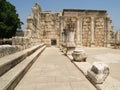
x,y
9,19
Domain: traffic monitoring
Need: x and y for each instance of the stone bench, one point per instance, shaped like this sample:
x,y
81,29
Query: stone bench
x,y
10,61
9,80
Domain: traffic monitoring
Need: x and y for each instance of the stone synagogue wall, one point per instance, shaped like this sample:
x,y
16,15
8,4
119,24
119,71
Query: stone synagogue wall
x,y
91,28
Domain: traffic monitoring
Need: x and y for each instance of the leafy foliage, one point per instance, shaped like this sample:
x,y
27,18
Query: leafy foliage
x,y
9,19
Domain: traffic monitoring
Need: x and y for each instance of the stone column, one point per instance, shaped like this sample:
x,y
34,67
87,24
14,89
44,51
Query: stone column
x,y
105,32
118,36
92,31
61,31
70,44
71,38
78,33
81,30
65,36
108,32
63,40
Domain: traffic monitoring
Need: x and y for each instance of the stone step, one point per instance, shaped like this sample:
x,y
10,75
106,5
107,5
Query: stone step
x,y
8,62
10,79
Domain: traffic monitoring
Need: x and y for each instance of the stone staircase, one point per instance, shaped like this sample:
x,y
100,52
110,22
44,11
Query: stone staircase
x,y
13,67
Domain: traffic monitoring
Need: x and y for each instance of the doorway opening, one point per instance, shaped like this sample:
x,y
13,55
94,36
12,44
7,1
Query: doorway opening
x,y
53,41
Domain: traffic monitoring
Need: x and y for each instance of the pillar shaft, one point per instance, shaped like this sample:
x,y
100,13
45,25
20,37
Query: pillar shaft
x,y
81,30
61,31
92,31
78,31
108,33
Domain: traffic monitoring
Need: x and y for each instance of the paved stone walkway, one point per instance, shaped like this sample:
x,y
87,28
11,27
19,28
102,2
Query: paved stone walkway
x,y
54,71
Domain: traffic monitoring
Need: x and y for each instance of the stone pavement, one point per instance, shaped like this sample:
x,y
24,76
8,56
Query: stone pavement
x,y
105,55
54,71
108,56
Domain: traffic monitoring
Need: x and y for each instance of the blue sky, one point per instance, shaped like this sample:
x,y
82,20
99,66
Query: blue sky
x,y
23,7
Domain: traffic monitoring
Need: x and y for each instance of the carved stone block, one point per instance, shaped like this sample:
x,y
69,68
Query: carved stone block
x,y
79,55
98,72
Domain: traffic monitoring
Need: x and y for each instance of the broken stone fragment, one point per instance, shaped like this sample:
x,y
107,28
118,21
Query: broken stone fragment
x,y
79,55
98,72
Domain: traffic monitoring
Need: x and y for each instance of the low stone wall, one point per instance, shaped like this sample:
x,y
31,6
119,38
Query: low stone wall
x,y
23,41
18,44
9,49
5,41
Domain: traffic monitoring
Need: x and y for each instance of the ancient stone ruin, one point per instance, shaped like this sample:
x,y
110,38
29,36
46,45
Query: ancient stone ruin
x,y
70,27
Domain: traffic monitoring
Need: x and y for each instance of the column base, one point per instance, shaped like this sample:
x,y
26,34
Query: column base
x,y
78,44
108,45
70,47
70,50
92,44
